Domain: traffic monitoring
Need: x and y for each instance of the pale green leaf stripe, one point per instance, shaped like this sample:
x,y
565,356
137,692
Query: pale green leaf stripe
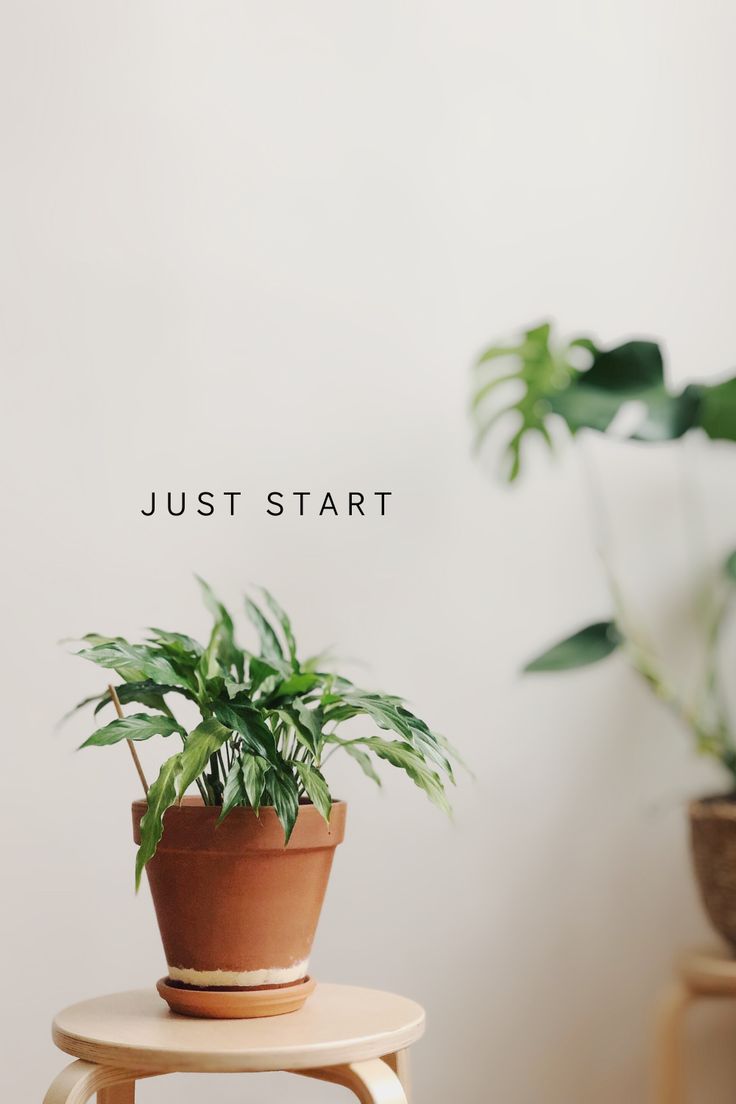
x,y
138,726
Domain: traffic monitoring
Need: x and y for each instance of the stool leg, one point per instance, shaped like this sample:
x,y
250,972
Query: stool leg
x,y
121,1094
399,1063
373,1082
668,1057
81,1080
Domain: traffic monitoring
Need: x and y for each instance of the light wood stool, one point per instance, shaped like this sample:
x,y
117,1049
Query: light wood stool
x,y
700,973
353,1037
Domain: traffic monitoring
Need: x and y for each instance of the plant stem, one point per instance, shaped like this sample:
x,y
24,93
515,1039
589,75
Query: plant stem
x,y
710,741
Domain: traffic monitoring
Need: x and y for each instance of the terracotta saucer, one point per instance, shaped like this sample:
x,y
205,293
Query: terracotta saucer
x,y
235,1004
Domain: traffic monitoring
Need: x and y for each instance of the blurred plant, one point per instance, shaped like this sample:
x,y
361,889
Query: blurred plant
x,y
269,721
551,387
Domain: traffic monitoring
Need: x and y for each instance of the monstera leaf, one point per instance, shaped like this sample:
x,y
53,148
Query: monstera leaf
x,y
716,410
549,384
543,374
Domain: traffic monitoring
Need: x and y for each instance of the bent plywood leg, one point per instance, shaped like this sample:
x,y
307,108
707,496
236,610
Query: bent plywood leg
x,y
373,1082
81,1080
399,1063
669,1072
121,1094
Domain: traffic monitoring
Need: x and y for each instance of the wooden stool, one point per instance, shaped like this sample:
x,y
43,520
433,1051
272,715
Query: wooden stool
x,y
353,1037
700,973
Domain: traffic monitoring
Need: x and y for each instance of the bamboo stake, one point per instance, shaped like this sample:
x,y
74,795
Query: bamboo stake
x,y
133,752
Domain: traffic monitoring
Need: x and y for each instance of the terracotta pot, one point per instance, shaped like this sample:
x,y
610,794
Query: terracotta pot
x,y
713,839
237,910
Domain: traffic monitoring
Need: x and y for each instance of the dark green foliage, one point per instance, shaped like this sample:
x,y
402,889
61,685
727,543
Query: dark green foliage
x,y
268,722
552,384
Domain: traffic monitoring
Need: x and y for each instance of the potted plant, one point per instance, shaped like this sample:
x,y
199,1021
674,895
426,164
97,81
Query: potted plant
x,y
579,386
238,870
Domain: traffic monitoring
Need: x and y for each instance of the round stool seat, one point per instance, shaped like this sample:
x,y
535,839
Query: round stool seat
x,y
338,1024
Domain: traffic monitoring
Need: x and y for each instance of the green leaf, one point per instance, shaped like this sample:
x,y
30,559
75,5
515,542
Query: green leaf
x,y
84,702
408,759
270,646
497,351
363,760
711,407
730,567
215,606
234,791
134,662
430,744
266,675
99,638
668,417
717,410
487,389
285,624
209,663
633,366
587,344
306,722
181,643
591,399
320,660
202,742
161,796
254,769
148,693
229,654
585,407
542,372
588,645
296,684
315,787
138,726
285,797
384,711
243,718
632,372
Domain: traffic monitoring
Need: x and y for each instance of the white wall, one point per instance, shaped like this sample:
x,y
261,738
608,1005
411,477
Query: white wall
x,y
255,246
